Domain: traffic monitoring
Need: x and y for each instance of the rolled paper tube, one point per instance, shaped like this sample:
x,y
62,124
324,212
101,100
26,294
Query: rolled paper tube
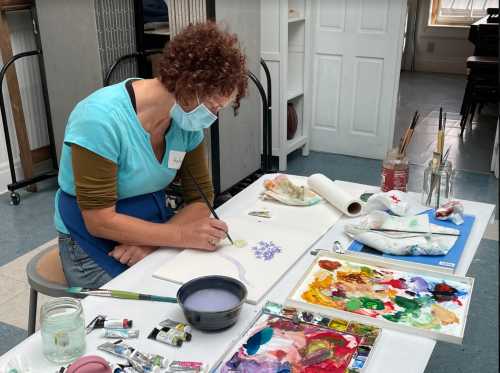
x,y
334,194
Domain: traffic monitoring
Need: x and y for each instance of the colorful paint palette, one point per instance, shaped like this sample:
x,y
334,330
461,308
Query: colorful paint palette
x,y
422,302
289,340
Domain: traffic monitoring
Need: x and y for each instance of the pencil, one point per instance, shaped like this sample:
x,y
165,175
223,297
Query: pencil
x,y
207,202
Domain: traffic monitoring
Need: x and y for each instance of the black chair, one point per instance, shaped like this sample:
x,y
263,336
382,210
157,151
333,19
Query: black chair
x,y
481,89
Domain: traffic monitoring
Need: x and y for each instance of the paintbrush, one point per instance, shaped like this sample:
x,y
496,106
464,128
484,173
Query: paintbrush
x,y
207,202
120,294
434,180
416,232
409,133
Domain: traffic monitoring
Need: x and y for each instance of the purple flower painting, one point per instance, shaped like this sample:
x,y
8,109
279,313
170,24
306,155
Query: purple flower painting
x,y
266,250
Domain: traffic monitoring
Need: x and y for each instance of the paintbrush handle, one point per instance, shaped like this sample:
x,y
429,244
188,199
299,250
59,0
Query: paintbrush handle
x,y
207,202
122,294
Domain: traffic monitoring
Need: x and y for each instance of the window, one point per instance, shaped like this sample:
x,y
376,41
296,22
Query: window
x,y
459,12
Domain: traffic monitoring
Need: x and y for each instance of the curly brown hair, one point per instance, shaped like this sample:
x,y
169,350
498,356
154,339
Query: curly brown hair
x,y
204,60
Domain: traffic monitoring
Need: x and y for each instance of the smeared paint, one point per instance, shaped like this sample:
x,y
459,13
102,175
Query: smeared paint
x,y
399,297
443,292
398,284
305,348
329,265
266,250
242,272
443,315
240,243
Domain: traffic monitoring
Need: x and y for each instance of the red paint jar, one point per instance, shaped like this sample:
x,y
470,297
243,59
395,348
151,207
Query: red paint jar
x,y
395,172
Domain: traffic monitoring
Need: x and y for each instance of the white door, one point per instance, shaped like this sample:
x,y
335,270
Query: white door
x,y
357,48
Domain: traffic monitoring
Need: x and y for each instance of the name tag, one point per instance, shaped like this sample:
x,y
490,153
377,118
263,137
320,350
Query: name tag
x,y
175,159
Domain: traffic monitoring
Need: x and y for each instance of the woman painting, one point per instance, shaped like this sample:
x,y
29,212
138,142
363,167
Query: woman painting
x,y
124,144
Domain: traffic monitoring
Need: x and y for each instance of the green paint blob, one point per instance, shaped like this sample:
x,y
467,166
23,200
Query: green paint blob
x,y
353,304
371,303
393,317
410,305
367,271
413,223
425,300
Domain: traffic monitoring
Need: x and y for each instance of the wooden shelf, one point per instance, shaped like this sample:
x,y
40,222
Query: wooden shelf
x,y
295,143
294,94
296,19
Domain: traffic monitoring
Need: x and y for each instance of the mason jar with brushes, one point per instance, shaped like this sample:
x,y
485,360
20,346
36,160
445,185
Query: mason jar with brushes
x,y
438,183
395,171
63,330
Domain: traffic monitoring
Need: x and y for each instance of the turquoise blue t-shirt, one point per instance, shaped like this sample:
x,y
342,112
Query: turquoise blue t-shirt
x,y
105,123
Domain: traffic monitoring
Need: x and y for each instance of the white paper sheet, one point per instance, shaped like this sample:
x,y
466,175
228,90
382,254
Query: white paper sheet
x,y
334,194
291,228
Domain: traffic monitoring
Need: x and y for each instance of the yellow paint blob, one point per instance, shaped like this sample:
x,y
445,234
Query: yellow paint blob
x,y
443,315
240,243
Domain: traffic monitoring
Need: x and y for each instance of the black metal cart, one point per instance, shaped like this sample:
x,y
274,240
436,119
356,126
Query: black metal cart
x,y
16,184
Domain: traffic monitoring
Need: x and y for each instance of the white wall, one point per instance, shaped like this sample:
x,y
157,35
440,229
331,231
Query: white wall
x,y
440,48
28,75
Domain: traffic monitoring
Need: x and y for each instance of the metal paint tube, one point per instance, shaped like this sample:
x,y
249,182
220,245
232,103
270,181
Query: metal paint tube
x,y
142,364
118,348
169,336
121,349
185,366
121,333
113,324
176,325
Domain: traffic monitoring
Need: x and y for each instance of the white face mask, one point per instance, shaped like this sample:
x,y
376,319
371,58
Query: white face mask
x,y
196,120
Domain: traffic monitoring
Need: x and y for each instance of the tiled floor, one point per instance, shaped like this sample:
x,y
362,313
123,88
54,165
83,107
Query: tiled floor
x,y
29,225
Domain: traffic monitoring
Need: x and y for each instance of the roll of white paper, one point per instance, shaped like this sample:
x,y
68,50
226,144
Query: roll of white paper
x,y
334,194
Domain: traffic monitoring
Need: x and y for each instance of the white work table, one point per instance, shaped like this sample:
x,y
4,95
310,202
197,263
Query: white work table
x,y
395,352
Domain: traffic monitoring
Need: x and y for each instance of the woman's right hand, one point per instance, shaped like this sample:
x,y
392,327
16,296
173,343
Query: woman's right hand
x,y
203,234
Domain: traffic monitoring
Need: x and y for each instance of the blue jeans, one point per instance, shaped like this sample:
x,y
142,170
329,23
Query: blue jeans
x,y
79,269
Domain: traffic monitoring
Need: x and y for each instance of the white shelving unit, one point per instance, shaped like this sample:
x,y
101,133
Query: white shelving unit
x,y
285,38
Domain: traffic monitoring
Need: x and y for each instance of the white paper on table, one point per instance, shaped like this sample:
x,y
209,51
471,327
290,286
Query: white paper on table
x,y
258,275
335,194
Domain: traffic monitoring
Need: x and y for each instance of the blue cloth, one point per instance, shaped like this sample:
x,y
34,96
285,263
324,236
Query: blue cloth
x,y
151,207
105,123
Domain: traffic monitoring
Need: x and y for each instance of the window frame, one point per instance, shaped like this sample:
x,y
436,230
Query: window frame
x,y
450,20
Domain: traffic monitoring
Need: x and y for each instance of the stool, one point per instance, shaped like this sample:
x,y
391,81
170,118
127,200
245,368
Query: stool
x,y
481,86
46,276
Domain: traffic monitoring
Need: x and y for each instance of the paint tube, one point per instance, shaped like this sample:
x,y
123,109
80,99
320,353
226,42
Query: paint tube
x,y
176,325
157,360
184,329
118,348
186,366
142,364
113,324
121,349
167,335
121,333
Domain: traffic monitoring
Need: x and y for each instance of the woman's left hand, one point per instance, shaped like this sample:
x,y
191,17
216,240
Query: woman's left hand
x,y
130,254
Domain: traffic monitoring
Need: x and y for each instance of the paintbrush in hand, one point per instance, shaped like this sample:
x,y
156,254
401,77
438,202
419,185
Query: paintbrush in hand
x,y
120,294
207,202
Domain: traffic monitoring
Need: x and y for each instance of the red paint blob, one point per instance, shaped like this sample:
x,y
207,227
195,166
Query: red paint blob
x,y
329,265
397,284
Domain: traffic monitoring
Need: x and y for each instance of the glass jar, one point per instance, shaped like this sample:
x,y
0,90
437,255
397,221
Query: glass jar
x,y
395,171
438,184
63,330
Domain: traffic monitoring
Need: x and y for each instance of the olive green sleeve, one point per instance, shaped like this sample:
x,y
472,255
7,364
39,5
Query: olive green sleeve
x,y
95,179
197,163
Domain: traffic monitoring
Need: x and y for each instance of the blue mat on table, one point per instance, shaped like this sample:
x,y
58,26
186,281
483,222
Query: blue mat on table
x,y
448,261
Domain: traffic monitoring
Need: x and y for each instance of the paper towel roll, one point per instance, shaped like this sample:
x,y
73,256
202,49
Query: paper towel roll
x,y
334,194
